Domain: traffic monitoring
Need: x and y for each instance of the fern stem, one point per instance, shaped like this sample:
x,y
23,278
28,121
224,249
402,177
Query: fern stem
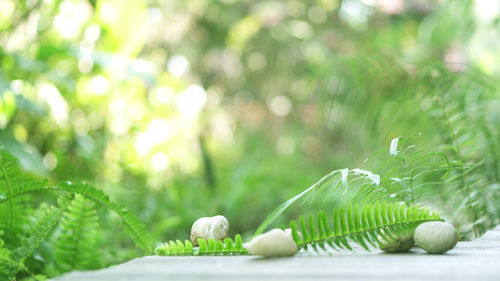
x,y
408,174
458,156
77,247
348,234
10,221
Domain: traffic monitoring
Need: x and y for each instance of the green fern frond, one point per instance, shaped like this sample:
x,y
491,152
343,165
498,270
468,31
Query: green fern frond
x,y
465,133
7,264
363,225
353,183
11,178
21,209
409,170
48,216
130,222
136,229
76,245
206,247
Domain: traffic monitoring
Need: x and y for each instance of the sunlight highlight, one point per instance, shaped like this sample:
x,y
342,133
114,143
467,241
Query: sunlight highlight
x,y
280,105
160,162
178,65
99,85
191,101
158,132
71,18
56,102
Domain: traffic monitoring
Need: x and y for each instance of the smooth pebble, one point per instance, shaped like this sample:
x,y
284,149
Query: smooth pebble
x,y
435,237
216,227
273,243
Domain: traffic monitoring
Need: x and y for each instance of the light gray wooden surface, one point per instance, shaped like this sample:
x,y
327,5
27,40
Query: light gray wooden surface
x,y
476,260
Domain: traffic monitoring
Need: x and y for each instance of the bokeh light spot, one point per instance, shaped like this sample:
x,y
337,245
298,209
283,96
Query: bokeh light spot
x,y
50,161
99,85
280,105
191,101
160,161
178,65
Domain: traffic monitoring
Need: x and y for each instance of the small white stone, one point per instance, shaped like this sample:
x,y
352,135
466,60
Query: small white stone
x,y
273,243
435,237
216,227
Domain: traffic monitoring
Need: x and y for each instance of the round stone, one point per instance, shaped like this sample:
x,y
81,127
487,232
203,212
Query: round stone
x,y
273,244
216,227
435,237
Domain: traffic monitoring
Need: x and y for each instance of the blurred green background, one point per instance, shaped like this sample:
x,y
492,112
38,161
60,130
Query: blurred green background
x,y
182,109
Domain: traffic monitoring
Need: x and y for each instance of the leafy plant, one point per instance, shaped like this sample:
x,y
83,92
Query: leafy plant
x,y
206,247
130,222
47,217
13,214
353,183
75,246
364,225
7,264
463,107
409,170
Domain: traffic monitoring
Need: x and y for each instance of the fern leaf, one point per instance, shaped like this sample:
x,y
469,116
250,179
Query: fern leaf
x,y
409,168
337,182
76,245
48,216
364,226
130,222
12,216
206,247
8,266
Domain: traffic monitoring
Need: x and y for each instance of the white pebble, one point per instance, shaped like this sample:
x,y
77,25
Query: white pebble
x,y
216,227
273,243
435,237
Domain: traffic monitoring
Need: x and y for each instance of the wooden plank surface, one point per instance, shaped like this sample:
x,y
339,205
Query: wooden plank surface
x,y
476,260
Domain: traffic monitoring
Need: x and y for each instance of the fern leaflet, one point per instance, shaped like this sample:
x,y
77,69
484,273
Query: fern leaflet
x,y
76,246
48,216
207,247
12,216
354,182
409,170
7,264
363,225
130,223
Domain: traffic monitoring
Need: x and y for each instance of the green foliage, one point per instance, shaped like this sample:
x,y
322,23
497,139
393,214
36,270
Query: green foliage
x,y
131,223
76,246
353,183
47,218
462,145
291,91
7,264
401,178
364,225
12,214
410,170
206,247
407,175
